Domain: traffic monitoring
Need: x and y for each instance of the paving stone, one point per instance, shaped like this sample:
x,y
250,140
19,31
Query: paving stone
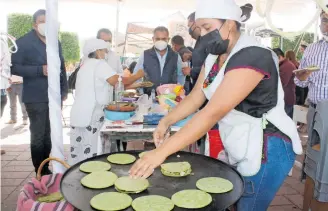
x,y
4,162
13,153
286,190
11,182
8,207
283,208
20,163
280,200
15,175
24,156
4,196
8,190
17,168
8,157
296,199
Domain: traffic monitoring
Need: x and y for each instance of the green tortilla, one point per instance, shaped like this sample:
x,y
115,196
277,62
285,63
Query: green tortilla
x,y
176,169
122,159
191,199
214,185
99,180
130,185
53,197
111,201
93,166
152,203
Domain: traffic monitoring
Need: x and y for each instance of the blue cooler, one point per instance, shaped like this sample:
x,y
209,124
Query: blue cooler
x,y
118,115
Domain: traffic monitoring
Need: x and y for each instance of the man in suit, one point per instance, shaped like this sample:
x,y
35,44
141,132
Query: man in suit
x,y
160,64
30,62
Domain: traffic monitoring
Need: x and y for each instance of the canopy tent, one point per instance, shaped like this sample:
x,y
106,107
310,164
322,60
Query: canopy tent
x,y
300,8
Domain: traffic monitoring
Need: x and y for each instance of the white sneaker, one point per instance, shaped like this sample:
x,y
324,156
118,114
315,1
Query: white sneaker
x,y
25,122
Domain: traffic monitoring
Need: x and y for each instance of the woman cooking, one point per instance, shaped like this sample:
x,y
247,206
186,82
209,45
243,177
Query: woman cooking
x,y
241,81
93,84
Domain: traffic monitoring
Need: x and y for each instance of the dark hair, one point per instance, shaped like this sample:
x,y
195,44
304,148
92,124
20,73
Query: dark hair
x,y
38,14
279,52
291,55
238,25
178,40
132,66
192,17
92,55
103,30
161,29
304,46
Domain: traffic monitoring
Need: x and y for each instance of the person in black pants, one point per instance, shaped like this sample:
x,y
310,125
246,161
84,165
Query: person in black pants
x,y
30,62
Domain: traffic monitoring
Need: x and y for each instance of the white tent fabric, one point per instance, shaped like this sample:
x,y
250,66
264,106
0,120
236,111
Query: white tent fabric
x,y
54,93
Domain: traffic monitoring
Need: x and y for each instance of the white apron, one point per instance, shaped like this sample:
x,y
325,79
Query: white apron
x,y
242,134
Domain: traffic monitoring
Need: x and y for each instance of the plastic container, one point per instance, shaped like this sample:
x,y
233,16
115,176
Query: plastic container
x,y
216,145
118,115
152,119
119,90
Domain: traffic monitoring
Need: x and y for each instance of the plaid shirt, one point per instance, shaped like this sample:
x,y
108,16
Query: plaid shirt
x,y
316,55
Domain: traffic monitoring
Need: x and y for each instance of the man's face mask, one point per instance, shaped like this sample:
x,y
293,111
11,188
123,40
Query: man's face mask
x,y
42,29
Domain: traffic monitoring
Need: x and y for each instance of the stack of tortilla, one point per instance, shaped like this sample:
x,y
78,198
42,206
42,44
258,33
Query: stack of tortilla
x,y
129,185
176,169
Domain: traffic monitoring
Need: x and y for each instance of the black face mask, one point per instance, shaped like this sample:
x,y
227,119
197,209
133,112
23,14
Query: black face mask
x,y
215,44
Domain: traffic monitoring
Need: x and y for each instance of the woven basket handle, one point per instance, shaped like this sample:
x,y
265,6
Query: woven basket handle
x,y
38,175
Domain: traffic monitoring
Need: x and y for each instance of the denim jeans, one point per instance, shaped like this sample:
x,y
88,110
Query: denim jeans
x,y
38,114
16,91
261,188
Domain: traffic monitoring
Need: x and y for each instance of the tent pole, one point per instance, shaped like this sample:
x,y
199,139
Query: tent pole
x,y
54,92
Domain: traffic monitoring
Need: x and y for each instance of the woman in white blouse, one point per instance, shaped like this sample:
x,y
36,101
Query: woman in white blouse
x,y
93,84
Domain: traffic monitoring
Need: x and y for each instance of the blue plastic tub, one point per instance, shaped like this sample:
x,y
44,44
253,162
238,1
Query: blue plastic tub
x,y
183,122
152,119
117,115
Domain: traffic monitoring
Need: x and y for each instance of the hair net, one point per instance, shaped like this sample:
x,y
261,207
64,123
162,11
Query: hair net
x,y
218,9
92,45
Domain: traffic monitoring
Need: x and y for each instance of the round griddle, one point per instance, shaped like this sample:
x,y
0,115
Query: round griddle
x,y
202,166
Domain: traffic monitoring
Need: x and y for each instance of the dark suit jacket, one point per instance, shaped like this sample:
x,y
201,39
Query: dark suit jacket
x,y
28,62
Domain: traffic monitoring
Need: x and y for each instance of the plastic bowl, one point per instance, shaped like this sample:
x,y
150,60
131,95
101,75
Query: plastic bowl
x,y
118,115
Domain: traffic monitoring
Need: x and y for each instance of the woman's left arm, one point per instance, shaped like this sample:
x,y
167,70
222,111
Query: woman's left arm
x,y
235,87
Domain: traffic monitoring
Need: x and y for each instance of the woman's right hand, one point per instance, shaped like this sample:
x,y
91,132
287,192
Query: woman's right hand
x,y
160,133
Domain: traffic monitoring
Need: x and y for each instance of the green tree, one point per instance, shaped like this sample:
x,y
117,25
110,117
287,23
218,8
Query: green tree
x,y
70,46
291,44
19,24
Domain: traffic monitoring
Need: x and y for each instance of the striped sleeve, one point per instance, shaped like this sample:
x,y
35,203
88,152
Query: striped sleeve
x,y
303,64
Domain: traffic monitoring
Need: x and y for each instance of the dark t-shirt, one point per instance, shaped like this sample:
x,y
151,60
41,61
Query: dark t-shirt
x,y
265,96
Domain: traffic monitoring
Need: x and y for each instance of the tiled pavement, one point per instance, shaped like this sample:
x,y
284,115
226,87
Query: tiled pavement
x,y
17,169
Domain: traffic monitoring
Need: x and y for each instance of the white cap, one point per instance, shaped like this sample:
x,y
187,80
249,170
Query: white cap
x,y
218,9
92,45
